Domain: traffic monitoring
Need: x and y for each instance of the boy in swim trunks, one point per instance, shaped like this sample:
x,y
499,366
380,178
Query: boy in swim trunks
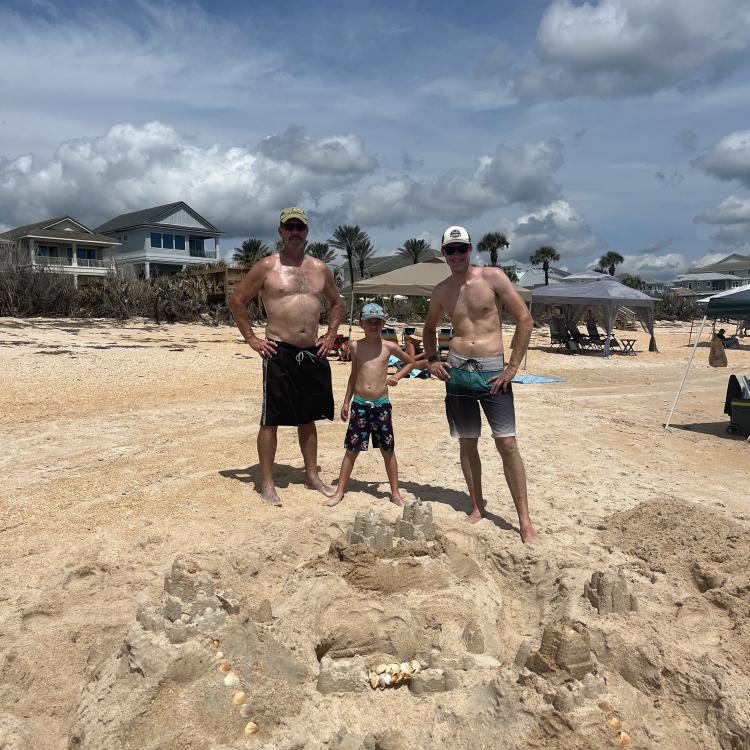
x,y
370,412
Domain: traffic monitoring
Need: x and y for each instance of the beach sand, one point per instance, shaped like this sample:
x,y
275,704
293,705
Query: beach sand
x,y
126,445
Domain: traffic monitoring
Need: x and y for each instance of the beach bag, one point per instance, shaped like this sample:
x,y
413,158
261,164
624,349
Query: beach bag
x,y
717,357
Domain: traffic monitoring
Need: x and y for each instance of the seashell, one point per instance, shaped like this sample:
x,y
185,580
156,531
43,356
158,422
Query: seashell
x,y
225,665
623,740
215,643
568,628
251,728
246,710
404,667
231,680
613,722
415,666
219,655
381,668
384,680
239,698
373,680
393,668
606,707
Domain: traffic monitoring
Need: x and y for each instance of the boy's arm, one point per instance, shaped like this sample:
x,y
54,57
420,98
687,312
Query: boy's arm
x,y
407,359
350,383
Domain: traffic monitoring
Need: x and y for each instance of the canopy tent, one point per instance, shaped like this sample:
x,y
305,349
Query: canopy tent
x,y
734,303
603,296
416,280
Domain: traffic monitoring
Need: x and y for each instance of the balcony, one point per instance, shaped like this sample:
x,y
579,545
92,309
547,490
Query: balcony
x,y
48,260
202,253
93,263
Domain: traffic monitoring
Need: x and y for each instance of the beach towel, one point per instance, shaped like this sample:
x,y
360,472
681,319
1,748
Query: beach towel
x,y
525,379
415,373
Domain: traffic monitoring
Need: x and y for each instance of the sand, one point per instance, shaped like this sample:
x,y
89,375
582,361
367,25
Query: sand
x,y
126,445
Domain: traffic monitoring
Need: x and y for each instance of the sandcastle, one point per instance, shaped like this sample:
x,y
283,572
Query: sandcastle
x,y
562,646
415,524
608,592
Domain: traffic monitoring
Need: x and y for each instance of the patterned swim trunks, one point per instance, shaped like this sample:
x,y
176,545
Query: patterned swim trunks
x,y
366,418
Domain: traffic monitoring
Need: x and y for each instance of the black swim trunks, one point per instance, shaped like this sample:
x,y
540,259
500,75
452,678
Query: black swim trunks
x,y
296,387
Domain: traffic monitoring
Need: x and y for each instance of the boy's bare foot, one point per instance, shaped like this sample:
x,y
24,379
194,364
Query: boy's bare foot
x,y
334,499
270,496
528,535
475,516
316,484
396,499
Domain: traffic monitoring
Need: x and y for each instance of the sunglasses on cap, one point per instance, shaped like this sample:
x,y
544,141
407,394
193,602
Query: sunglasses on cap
x,y
451,249
294,226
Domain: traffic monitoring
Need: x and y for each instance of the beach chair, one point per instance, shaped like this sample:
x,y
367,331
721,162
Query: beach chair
x,y
558,335
597,339
444,340
389,334
581,340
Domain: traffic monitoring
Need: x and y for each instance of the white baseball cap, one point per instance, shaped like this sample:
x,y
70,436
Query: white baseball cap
x,y
455,236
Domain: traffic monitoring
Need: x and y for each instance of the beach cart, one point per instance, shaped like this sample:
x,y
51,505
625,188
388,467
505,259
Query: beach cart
x,y
737,405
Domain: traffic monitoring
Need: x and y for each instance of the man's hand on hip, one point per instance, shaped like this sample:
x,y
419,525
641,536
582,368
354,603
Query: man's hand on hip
x,y
265,347
326,343
503,379
440,369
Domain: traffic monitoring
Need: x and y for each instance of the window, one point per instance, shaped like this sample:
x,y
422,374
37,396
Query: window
x,y
80,252
48,250
155,239
69,252
179,242
196,247
167,241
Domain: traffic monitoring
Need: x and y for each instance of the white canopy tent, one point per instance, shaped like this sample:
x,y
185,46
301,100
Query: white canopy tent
x,y
734,303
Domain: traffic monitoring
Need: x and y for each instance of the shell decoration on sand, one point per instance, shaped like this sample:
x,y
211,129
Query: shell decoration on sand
x,y
623,740
606,707
219,655
231,680
239,698
225,665
246,711
614,723
393,675
215,644
251,728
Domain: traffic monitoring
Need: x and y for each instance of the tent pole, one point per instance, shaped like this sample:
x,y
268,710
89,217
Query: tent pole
x,y
351,314
690,336
684,376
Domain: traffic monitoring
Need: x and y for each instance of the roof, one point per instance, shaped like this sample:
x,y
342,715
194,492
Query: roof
x,y
415,280
733,302
706,277
45,230
148,216
680,291
380,264
606,291
733,262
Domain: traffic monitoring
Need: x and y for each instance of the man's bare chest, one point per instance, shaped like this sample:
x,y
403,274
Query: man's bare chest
x,y
293,281
471,300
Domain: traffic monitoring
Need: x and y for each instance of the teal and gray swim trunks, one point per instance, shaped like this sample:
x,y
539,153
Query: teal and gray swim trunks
x,y
468,389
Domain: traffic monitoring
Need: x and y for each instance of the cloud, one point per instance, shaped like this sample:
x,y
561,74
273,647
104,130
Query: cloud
x,y
664,267
558,225
635,47
729,159
521,173
732,215
131,167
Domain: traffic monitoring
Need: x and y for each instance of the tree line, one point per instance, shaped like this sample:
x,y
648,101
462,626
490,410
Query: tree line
x,y
355,243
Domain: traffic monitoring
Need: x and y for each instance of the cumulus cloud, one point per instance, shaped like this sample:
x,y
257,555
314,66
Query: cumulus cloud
x,y
664,267
729,159
130,167
732,216
635,47
521,173
558,225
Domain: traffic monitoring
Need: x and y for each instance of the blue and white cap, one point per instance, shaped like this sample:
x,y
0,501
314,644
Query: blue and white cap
x,y
455,236
372,310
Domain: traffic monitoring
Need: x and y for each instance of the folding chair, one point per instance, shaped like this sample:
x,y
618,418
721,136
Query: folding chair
x,y
389,334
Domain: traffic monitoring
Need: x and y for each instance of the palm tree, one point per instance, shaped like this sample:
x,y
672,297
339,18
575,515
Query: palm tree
x,y
414,249
545,255
362,252
346,237
251,252
633,281
491,243
321,251
609,261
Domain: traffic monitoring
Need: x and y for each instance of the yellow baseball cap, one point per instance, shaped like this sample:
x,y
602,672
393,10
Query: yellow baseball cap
x,y
293,213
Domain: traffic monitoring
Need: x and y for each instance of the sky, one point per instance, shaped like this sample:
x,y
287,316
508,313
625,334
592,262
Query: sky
x,y
607,125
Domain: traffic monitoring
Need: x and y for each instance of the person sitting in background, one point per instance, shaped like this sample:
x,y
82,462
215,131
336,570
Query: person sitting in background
x,y
729,342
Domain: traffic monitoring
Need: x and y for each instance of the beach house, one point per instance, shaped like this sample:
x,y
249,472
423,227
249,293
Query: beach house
x,y
62,245
162,240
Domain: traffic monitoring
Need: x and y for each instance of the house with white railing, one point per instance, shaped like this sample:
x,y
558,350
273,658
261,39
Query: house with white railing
x,y
162,240
63,245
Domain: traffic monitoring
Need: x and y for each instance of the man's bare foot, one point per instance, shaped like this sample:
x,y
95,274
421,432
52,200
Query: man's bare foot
x,y
528,535
270,496
396,499
316,484
475,516
334,499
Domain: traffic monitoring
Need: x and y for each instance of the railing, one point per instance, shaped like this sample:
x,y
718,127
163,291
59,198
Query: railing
x,y
92,263
203,253
48,260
